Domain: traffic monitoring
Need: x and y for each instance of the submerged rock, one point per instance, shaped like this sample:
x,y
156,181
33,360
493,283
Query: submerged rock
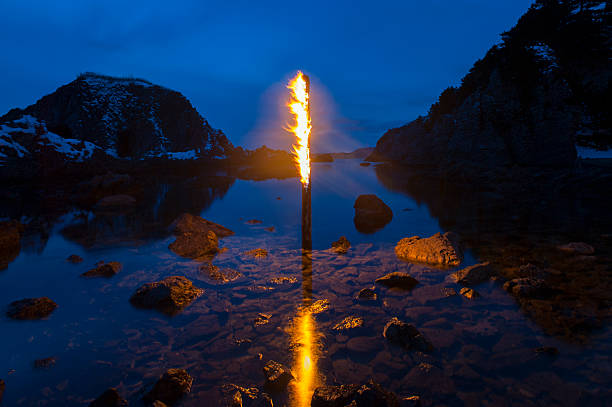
x,y
449,291
257,253
439,249
222,276
353,395
110,398
45,363
74,259
262,319
371,214
472,275
171,387
577,248
526,287
196,237
10,242
31,308
277,376
398,279
316,307
253,222
367,294
406,335
349,322
469,293
341,245
104,269
169,295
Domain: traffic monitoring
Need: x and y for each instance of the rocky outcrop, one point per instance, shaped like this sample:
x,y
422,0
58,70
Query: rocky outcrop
x,y
472,275
439,249
524,104
353,395
196,237
169,295
104,269
371,214
31,308
171,387
110,398
407,336
341,245
10,242
398,279
277,376
110,117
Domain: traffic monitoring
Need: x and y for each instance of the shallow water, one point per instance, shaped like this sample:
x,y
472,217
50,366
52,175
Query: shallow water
x,y
484,348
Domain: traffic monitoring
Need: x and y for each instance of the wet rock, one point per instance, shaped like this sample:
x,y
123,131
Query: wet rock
x,y
526,287
196,237
110,398
371,214
104,269
547,350
316,307
353,395
158,403
74,259
10,242
472,275
469,293
257,253
449,291
262,319
171,387
367,294
169,295
31,308
217,275
45,363
349,322
577,248
428,377
439,249
270,229
253,222
262,400
283,280
277,376
398,279
410,401
341,245
407,336
237,399
113,202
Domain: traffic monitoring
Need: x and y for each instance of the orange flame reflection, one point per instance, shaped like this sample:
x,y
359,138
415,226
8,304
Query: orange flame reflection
x,y
300,108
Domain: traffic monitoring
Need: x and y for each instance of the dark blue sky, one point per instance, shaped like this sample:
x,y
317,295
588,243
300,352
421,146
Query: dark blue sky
x,y
374,64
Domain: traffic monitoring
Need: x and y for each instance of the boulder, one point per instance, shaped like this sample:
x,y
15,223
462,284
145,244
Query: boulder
x,y
171,387
31,308
10,242
277,376
367,294
398,279
439,249
104,269
74,259
110,398
472,275
577,248
371,214
407,336
341,245
196,237
353,395
469,293
169,295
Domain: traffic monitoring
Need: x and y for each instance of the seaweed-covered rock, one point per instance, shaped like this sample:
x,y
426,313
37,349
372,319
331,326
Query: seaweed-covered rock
x,y
367,294
103,269
371,214
110,398
406,336
196,237
353,395
169,295
473,275
398,279
277,376
439,249
31,308
10,242
341,245
171,387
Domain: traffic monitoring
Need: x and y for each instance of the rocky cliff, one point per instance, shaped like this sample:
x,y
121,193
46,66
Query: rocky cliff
x,y
526,103
98,116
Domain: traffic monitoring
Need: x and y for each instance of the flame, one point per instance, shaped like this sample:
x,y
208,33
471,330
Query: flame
x,y
300,108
